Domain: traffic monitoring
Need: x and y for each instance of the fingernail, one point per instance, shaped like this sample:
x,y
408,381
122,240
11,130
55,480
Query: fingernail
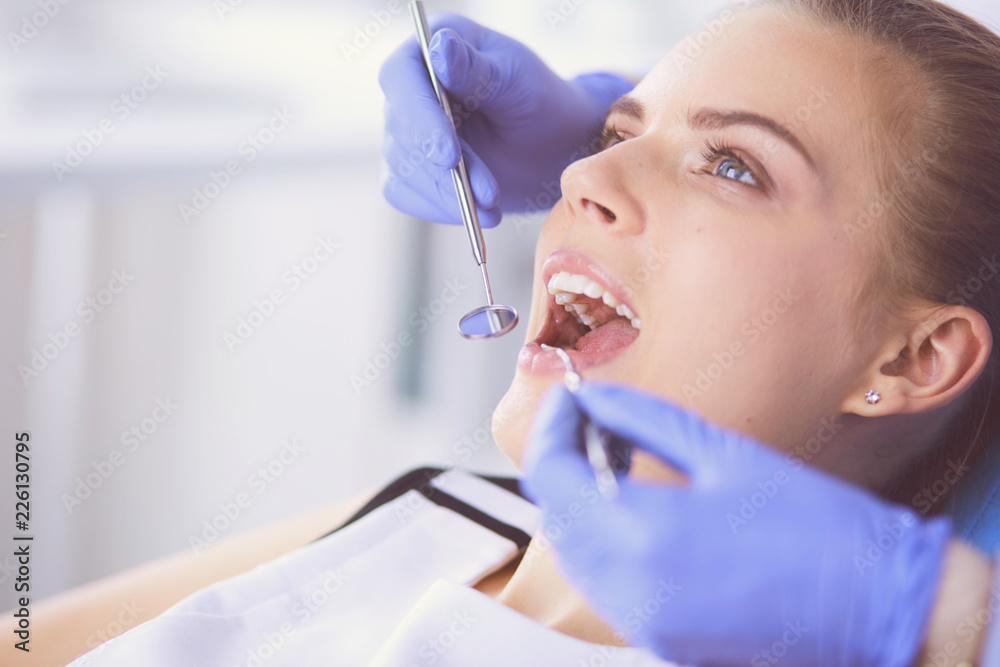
x,y
439,149
442,48
439,59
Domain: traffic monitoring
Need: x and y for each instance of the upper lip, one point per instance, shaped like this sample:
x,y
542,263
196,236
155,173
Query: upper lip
x,y
576,261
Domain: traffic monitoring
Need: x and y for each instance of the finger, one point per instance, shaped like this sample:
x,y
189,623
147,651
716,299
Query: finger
x,y
683,440
412,201
485,188
677,437
554,466
406,199
405,160
556,469
411,99
429,199
464,71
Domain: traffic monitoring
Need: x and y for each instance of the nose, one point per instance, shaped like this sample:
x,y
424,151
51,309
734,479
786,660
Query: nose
x,y
601,189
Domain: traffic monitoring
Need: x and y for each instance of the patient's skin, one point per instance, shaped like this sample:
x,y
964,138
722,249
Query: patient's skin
x,y
733,250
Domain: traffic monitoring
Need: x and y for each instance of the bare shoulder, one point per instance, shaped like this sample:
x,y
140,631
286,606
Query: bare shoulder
x,y
76,621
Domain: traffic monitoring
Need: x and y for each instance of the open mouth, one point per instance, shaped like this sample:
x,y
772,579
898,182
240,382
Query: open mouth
x,y
586,316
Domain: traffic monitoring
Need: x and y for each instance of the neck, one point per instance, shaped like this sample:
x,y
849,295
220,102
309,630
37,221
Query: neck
x,y
539,591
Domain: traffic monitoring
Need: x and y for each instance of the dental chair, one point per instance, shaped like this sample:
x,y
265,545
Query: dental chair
x,y
975,508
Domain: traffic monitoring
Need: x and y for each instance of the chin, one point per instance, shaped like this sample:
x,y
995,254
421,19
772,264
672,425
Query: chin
x,y
513,415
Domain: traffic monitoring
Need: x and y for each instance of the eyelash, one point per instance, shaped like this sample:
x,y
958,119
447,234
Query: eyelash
x,y
609,134
712,153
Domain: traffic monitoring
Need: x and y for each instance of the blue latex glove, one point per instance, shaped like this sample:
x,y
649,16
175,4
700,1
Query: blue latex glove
x,y
758,558
520,124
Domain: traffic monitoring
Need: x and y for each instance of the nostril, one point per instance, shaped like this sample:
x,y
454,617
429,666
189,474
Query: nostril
x,y
607,213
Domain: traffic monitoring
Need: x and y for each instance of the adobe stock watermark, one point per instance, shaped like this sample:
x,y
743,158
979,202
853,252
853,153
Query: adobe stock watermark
x,y
634,620
654,261
925,499
407,166
889,535
970,629
121,108
247,151
258,482
966,292
923,502
563,11
751,331
223,8
816,100
417,323
558,525
309,603
432,649
462,109
462,450
127,616
132,439
550,191
766,489
913,171
694,45
773,654
641,614
295,277
32,24
471,443
364,34
87,310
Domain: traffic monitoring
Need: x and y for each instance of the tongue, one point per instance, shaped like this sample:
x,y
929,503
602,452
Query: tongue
x,y
611,336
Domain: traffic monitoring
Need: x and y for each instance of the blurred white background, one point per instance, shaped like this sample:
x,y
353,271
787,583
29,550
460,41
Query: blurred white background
x,y
223,68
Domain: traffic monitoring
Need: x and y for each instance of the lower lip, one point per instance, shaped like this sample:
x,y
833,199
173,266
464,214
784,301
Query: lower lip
x,y
533,359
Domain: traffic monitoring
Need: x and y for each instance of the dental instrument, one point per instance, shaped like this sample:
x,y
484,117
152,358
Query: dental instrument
x,y
492,320
595,439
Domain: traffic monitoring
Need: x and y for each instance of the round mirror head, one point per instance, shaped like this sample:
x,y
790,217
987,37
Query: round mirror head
x,y
488,322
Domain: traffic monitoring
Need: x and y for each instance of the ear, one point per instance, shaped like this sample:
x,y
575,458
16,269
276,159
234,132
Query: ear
x,y
936,356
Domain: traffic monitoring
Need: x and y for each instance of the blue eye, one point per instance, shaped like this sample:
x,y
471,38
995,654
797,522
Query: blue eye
x,y
731,167
737,171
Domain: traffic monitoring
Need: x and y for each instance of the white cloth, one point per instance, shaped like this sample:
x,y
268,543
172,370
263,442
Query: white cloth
x,y
389,589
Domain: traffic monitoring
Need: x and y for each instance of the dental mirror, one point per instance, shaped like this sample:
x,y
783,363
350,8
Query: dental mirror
x,y
490,321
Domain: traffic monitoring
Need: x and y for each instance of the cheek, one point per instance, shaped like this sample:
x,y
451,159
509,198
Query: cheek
x,y
555,227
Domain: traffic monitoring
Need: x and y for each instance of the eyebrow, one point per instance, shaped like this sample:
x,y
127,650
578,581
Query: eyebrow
x,y
629,107
714,119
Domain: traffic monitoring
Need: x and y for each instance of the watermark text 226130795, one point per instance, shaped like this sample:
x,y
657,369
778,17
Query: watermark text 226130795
x,y
22,541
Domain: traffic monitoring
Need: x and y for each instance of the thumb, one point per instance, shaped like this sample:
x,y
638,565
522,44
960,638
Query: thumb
x,y
470,77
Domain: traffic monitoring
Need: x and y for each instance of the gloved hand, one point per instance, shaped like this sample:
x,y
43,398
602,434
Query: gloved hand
x,y
759,557
520,124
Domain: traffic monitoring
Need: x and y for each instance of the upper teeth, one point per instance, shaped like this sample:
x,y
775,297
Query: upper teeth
x,y
566,286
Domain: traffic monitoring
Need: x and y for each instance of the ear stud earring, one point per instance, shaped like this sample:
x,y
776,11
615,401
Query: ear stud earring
x,y
873,397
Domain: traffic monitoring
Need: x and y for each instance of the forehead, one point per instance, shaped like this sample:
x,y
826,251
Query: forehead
x,y
804,75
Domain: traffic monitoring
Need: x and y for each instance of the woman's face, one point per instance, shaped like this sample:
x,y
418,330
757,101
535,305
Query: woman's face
x,y
717,214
